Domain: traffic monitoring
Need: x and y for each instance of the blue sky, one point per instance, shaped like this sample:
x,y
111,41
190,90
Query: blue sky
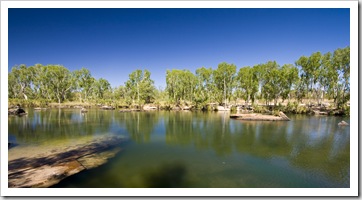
x,y
112,43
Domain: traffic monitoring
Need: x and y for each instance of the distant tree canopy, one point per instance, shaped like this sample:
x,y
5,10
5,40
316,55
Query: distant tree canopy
x,y
315,77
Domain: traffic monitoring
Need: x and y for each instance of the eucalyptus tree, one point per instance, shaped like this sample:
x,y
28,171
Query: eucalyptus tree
x,y
100,87
315,63
311,68
172,84
260,72
120,92
62,81
288,78
140,86
204,86
181,85
224,80
40,82
189,81
328,76
84,83
20,80
300,89
272,88
341,63
247,82
13,87
303,63
269,78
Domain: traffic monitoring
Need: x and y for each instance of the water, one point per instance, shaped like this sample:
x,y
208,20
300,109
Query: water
x,y
195,149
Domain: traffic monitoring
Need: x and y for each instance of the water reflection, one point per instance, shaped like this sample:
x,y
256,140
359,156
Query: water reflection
x,y
315,145
53,124
139,125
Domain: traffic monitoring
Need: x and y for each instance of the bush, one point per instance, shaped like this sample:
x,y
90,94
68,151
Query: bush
x,y
275,112
260,109
233,109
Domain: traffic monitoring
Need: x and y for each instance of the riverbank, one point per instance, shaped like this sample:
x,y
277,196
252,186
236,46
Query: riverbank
x,y
291,107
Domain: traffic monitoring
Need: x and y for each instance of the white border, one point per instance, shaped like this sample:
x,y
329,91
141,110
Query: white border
x,y
352,191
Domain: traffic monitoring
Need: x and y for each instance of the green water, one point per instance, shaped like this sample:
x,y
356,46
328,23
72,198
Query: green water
x,y
195,149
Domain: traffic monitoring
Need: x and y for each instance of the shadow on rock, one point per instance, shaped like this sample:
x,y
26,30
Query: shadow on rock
x,y
50,169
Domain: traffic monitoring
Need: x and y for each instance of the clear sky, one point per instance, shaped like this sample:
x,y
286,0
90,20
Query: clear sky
x,y
112,43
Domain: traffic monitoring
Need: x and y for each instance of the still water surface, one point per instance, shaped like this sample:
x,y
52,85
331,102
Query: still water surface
x,y
195,149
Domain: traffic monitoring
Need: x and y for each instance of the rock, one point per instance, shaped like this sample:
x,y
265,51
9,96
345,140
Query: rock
x,y
222,108
343,123
51,167
176,108
283,116
17,111
11,145
107,108
186,108
147,107
260,117
83,110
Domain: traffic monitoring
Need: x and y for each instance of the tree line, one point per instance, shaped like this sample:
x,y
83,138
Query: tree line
x,y
311,78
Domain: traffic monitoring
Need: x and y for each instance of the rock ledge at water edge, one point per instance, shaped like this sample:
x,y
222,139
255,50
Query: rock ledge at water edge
x,y
49,169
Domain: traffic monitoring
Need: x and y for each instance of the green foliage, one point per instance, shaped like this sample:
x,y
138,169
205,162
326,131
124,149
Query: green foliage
x,y
204,87
247,83
275,112
224,80
181,85
315,77
260,109
84,83
140,87
233,109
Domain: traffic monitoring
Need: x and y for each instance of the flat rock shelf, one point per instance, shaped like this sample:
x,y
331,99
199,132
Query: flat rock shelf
x,y
48,169
260,117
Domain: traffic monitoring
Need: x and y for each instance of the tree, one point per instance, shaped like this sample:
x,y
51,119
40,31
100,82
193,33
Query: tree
x,y
328,76
181,85
272,89
62,81
84,83
288,78
20,79
341,63
224,80
100,87
204,86
40,82
269,77
140,86
247,82
310,68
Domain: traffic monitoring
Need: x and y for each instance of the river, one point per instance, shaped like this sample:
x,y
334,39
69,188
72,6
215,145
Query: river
x,y
194,149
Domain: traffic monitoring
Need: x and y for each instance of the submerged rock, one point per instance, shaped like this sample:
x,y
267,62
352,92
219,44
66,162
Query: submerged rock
x,y
343,123
48,169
